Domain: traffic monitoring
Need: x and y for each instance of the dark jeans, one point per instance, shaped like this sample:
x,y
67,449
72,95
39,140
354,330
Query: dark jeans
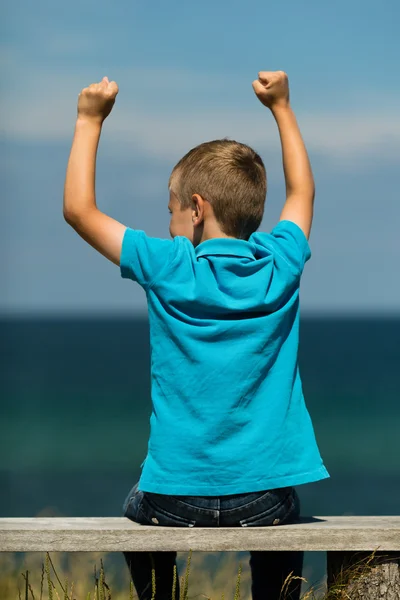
x,y
257,509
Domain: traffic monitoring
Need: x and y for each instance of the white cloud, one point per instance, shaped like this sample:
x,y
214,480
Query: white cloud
x,y
344,139
163,115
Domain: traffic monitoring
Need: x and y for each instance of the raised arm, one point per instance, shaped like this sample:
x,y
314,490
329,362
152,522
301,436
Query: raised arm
x,y
80,210
272,90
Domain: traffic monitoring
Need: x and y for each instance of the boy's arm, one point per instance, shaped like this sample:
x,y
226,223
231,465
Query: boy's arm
x,y
273,91
80,211
300,189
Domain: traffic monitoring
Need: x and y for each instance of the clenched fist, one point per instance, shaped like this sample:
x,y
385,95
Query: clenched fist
x,y
96,101
272,88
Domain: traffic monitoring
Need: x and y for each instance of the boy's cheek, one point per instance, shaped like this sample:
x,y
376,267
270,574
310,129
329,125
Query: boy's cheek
x,y
172,229
181,227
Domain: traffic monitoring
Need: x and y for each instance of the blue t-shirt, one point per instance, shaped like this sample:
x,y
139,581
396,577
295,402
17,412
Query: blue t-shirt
x,y
228,412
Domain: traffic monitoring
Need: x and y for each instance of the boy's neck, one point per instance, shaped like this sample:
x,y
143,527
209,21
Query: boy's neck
x,y
210,232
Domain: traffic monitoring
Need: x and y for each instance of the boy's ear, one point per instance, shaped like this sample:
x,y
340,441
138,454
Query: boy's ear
x,y
195,210
201,207
197,200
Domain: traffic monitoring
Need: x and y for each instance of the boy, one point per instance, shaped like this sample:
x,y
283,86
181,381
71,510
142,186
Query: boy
x,y
230,432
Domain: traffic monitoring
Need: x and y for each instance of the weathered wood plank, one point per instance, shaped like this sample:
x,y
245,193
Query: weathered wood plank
x,y
115,534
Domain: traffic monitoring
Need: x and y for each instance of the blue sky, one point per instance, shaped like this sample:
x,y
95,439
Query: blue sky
x,y
184,71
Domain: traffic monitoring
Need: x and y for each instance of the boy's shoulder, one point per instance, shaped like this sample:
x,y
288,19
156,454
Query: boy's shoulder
x,y
146,259
287,241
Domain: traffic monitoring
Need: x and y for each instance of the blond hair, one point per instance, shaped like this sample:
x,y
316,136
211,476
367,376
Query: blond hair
x,y
231,176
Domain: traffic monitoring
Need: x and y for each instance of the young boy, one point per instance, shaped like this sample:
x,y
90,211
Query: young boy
x,y
230,431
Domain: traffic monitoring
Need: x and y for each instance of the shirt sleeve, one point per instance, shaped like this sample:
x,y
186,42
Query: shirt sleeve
x,y
292,244
143,258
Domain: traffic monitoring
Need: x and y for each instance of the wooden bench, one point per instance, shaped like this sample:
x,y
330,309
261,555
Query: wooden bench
x,y
345,539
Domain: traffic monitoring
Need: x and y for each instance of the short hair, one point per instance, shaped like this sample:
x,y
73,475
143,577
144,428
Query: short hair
x,y
231,176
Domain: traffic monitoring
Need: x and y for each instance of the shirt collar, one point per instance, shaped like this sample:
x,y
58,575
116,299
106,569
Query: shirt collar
x,y
225,247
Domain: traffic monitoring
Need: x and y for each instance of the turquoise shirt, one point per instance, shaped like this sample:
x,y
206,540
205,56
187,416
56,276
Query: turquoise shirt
x,y
228,412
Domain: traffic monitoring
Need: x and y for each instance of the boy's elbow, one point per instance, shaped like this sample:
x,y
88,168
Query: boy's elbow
x,y
69,216
73,216
308,193
302,194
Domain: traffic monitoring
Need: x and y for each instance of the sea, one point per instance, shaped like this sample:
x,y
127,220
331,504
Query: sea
x,y
75,408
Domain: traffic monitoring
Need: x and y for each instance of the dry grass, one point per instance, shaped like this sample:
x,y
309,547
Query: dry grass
x,y
45,583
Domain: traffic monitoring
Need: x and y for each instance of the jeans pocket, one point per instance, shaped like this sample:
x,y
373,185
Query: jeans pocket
x,y
150,513
274,515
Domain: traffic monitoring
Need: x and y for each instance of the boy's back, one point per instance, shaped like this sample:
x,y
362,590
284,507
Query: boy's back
x,y
228,410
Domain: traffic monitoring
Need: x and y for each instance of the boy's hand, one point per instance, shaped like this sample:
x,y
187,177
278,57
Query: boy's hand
x,y
272,88
96,101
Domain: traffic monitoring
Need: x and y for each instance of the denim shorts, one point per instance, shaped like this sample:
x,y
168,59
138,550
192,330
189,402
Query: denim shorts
x,y
254,509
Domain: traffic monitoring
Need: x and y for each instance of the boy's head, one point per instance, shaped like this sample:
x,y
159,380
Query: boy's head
x,y
217,189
